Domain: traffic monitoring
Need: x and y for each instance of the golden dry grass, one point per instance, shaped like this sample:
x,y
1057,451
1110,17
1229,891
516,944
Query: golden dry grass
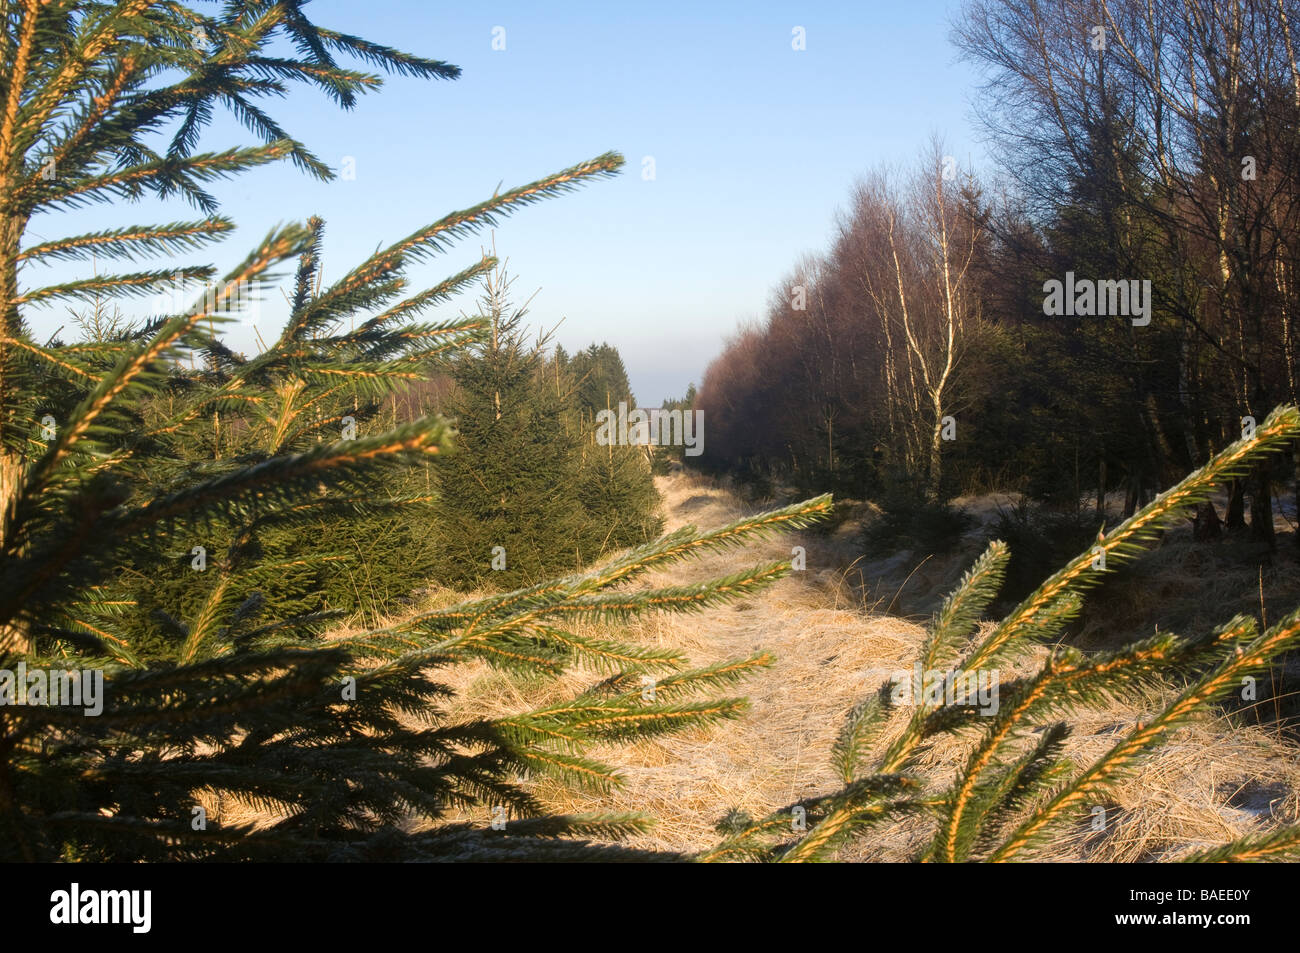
x,y
1214,781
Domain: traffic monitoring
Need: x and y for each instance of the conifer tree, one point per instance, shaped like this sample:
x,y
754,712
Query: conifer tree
x,y
534,493
510,509
617,485
120,461
602,379
664,456
618,492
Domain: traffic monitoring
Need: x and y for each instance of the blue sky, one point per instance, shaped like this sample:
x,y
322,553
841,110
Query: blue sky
x,y
755,146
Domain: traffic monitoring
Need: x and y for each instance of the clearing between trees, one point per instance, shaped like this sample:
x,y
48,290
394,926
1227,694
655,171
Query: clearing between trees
x,y
1217,779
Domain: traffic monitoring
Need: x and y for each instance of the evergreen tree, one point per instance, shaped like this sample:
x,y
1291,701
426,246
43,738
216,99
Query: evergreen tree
x,y
153,458
616,479
618,492
602,379
533,494
663,457
510,509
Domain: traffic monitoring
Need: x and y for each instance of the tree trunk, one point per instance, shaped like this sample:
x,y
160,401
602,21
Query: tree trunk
x,y
1261,508
1185,399
1134,495
1296,534
1101,486
11,229
936,454
12,464
1236,515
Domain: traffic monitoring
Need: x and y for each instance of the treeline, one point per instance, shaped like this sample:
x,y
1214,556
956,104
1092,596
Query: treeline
x,y
1118,306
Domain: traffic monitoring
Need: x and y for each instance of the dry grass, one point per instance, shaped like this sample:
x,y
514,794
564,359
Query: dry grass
x,y
1214,781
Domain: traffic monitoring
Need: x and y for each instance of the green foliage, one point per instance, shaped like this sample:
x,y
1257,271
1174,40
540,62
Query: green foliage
x,y
515,484
618,494
664,457
617,485
532,494
601,379
1016,788
905,520
165,439
1040,538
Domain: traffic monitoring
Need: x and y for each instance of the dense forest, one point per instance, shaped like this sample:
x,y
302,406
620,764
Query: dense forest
x,y
1148,172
